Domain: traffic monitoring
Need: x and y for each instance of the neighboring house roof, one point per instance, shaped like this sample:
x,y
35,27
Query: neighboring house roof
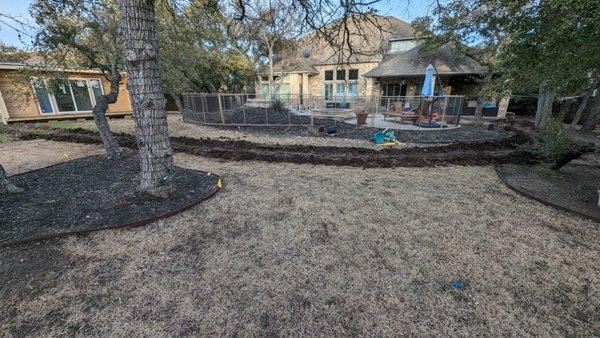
x,y
413,63
293,66
369,39
45,68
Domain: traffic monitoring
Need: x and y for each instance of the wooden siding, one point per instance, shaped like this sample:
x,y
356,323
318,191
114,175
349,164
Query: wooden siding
x,y
25,107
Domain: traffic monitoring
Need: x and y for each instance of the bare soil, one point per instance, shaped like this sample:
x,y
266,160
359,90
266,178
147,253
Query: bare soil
x,y
465,153
89,194
574,188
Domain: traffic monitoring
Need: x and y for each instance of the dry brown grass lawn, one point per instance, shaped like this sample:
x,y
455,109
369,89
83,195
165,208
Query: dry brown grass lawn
x,y
328,251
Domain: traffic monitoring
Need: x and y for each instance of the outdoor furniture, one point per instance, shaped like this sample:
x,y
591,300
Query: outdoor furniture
x,y
336,114
413,115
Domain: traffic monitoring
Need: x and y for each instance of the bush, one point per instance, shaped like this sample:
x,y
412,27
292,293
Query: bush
x,y
278,106
556,144
555,141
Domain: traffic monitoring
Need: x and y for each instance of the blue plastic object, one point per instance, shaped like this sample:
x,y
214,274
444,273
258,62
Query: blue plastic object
x,y
457,284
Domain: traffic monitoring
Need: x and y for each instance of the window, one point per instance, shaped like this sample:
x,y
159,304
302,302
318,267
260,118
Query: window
x,y
352,89
353,74
81,94
264,78
96,87
402,45
42,96
328,91
62,94
72,95
340,74
328,75
340,90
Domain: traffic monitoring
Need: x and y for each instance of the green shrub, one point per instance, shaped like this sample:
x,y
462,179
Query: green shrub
x,y
278,106
557,144
555,141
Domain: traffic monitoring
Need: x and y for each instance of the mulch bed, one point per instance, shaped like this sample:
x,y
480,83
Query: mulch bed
x,y
465,133
280,119
90,194
463,153
574,188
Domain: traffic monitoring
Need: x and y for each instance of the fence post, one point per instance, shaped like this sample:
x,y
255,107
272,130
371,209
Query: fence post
x,y
244,109
221,108
376,110
444,111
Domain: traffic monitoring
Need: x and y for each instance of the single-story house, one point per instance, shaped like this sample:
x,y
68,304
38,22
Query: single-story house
x,y
27,95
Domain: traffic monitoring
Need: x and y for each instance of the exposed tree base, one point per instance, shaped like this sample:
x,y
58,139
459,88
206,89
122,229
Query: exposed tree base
x,y
573,155
6,186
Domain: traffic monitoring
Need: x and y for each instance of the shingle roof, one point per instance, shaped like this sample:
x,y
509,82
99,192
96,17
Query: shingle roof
x,y
368,40
413,63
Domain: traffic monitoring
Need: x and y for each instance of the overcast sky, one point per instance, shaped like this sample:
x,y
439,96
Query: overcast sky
x,y
402,9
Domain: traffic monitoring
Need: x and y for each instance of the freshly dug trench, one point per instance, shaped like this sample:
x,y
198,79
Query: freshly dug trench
x,y
462,153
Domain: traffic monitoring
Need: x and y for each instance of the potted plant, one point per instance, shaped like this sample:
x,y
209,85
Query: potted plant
x,y
361,117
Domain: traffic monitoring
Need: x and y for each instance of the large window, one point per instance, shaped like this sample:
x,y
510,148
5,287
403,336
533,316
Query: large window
x,y
71,96
42,96
81,94
344,87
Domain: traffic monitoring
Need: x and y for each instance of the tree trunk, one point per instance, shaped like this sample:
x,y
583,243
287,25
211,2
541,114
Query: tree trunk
x,y
271,73
539,113
144,82
481,96
6,186
178,103
564,108
594,116
593,86
580,110
547,109
110,142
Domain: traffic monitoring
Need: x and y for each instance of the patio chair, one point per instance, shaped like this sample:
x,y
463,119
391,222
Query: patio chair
x,y
412,115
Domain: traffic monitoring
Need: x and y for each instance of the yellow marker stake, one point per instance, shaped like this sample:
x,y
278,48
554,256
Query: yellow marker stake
x,y
220,184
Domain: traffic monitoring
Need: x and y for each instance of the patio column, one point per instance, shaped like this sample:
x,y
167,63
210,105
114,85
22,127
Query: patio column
x,y
305,89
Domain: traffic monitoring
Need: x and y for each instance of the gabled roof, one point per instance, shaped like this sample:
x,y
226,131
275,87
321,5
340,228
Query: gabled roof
x,y
413,63
369,38
294,66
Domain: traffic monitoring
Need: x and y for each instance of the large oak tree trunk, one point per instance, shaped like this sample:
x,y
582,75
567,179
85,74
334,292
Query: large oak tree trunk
x,y
144,82
6,186
110,142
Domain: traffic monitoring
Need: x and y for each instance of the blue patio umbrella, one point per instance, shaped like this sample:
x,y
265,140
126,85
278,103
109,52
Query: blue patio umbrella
x,y
428,84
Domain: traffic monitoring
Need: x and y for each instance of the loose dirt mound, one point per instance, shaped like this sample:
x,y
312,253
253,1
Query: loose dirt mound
x,y
465,153
93,193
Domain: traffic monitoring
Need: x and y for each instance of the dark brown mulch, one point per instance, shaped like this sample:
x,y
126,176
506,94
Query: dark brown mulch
x,y
465,153
574,188
90,194
279,120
